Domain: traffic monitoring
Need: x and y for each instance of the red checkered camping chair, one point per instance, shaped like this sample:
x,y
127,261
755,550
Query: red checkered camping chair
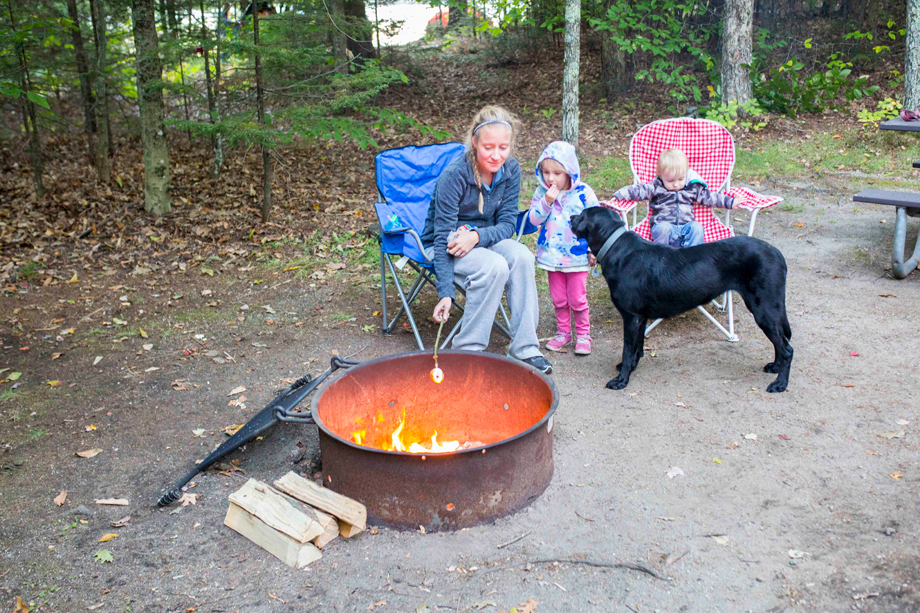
x,y
710,150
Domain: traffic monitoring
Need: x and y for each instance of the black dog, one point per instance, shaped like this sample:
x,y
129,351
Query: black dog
x,y
649,281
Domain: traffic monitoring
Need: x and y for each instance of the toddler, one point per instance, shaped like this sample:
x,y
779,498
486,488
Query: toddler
x,y
670,200
559,196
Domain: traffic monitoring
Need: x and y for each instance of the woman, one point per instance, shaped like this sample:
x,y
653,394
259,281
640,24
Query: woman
x,y
468,234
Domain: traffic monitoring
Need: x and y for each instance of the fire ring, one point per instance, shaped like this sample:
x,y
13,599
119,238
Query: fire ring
x,y
498,409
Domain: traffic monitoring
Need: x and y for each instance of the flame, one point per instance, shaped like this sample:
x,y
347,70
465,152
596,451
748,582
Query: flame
x,y
397,443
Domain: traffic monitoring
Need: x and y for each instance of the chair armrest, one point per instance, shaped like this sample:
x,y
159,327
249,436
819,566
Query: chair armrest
x,y
622,206
753,200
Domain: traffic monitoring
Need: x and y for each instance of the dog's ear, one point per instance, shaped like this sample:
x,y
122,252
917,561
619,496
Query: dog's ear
x,y
578,223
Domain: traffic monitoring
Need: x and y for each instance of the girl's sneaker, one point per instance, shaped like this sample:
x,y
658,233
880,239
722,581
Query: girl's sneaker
x,y
582,345
559,341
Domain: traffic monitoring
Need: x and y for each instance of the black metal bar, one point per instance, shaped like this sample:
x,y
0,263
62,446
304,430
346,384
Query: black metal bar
x,y
279,409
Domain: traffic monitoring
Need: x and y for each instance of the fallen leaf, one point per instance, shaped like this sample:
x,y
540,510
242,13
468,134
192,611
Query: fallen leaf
x,y
121,523
55,356
902,422
147,346
374,605
152,369
105,538
716,461
784,437
60,499
14,376
231,430
237,390
142,332
97,360
206,292
237,401
896,475
95,606
198,432
751,436
89,453
207,271
54,383
103,556
721,539
855,354
21,607
893,434
189,499
796,554
113,502
74,279
90,428
181,385
674,471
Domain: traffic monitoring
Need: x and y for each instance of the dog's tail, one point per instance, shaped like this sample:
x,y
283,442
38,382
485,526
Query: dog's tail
x,y
787,330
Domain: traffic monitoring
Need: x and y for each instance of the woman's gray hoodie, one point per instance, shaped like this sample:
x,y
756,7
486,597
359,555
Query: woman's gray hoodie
x,y
455,202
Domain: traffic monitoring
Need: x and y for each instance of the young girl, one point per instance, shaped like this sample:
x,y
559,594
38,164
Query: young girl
x,y
559,196
468,233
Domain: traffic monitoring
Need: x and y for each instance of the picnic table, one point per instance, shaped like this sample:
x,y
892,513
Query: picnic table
x,y
907,204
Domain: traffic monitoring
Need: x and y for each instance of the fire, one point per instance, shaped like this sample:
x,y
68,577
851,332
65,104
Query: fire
x,y
398,444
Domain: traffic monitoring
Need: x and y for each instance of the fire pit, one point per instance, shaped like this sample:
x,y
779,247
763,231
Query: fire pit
x,y
496,412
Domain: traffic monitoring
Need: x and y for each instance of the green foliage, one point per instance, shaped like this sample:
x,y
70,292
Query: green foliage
x,y
789,90
657,32
732,114
885,109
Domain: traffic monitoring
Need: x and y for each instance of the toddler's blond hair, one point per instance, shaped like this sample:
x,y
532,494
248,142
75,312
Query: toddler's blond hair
x,y
673,162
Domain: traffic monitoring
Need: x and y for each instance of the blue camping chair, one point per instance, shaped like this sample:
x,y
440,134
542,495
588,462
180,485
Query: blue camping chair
x,y
405,182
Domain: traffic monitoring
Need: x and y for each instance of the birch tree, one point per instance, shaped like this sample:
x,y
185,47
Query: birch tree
x,y
736,51
150,97
570,73
912,57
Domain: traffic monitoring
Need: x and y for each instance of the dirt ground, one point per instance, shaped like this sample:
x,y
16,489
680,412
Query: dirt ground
x,y
801,501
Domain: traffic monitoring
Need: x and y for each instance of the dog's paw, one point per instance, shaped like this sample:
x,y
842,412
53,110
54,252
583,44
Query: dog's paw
x,y
777,386
771,367
617,384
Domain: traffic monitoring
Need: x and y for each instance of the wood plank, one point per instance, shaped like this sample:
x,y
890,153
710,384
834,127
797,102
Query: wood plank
x,y
278,511
331,533
342,507
348,530
884,196
280,545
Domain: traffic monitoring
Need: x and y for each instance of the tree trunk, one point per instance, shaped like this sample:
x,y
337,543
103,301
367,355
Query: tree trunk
x,y
614,78
171,15
164,24
216,143
150,97
260,101
339,47
219,151
912,57
86,84
360,44
571,71
736,51
28,109
457,14
103,167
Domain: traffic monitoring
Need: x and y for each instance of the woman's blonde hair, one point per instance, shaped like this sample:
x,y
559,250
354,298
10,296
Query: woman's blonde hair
x,y
673,163
491,116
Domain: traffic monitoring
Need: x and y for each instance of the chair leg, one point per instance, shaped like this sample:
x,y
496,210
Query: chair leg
x,y
730,335
651,326
383,288
407,300
405,305
731,317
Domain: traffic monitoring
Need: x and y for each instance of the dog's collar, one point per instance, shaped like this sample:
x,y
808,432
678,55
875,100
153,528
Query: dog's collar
x,y
609,243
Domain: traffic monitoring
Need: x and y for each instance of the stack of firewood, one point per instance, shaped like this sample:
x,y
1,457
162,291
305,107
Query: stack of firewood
x,y
294,519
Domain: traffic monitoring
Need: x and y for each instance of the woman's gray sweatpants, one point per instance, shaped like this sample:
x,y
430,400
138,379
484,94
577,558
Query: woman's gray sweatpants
x,y
486,273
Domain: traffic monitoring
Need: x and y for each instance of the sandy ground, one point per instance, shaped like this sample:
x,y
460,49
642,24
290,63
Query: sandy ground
x,y
818,482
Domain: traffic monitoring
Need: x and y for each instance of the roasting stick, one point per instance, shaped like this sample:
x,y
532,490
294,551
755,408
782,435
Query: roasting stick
x,y
437,375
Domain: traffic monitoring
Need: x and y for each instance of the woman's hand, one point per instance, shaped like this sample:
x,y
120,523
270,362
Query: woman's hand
x,y
592,261
442,310
464,243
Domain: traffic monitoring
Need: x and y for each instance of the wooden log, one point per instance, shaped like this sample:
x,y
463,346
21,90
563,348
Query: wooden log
x,y
278,511
331,533
348,530
280,545
349,511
